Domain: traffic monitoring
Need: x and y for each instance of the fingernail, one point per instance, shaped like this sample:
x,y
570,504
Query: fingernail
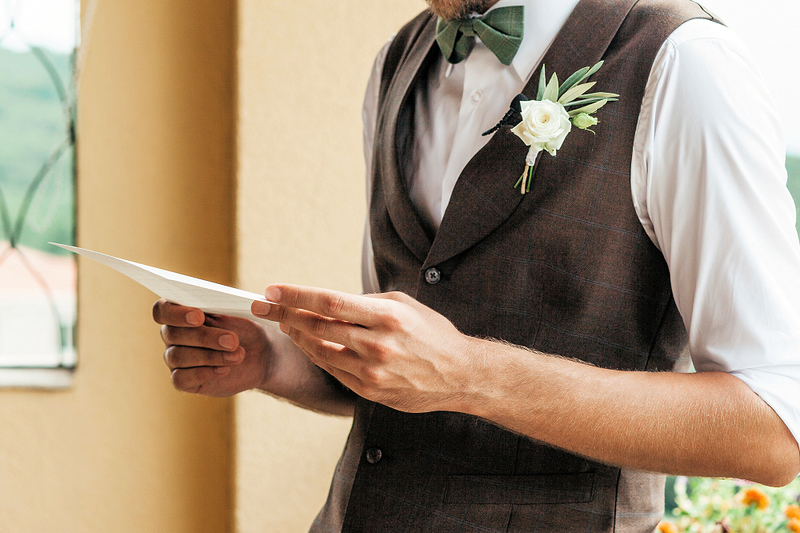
x,y
231,356
260,308
273,294
222,369
227,342
193,318
284,327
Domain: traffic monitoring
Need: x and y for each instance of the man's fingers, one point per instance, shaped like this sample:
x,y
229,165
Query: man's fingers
x,y
193,379
324,302
200,337
330,331
171,314
188,357
322,352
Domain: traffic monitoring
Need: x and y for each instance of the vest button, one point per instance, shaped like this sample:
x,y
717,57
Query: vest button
x,y
374,455
433,276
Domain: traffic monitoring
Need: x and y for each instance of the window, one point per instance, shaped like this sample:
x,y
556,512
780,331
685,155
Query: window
x,y
38,40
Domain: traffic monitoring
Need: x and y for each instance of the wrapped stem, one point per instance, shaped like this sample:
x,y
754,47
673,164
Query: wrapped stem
x,y
524,181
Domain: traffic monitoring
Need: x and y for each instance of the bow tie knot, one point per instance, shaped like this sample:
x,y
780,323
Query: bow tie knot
x,y
500,30
468,28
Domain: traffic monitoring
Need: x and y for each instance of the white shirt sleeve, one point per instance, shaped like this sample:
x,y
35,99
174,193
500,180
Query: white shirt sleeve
x,y
709,185
369,277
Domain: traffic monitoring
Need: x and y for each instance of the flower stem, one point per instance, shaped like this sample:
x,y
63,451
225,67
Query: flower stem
x,y
524,181
530,179
521,181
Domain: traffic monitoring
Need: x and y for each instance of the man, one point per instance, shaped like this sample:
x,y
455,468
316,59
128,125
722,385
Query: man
x,y
475,408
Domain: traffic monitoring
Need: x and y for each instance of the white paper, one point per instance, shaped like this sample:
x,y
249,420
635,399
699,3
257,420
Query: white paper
x,y
211,298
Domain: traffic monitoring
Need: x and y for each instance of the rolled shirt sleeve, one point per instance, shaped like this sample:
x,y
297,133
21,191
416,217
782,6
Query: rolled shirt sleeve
x,y
709,185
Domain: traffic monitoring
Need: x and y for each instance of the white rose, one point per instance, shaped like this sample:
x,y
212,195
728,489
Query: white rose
x,y
544,126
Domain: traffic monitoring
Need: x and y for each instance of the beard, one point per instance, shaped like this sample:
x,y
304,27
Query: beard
x,y
458,9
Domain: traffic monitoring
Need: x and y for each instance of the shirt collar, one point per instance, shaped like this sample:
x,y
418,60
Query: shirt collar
x,y
543,21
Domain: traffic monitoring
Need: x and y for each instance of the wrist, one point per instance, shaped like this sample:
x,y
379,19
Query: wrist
x,y
269,372
480,387
506,381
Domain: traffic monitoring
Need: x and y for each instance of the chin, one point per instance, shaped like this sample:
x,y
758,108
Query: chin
x,y
457,9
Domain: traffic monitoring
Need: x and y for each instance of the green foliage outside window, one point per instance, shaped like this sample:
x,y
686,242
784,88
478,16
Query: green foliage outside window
x,y
35,132
37,184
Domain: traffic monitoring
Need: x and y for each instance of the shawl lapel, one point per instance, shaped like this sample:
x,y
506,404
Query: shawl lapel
x,y
397,120
484,196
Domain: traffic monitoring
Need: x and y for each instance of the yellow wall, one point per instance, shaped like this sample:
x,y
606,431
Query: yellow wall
x,y
121,450
173,93
302,67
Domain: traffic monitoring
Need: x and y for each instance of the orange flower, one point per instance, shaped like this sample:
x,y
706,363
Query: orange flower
x,y
668,527
794,525
756,496
793,511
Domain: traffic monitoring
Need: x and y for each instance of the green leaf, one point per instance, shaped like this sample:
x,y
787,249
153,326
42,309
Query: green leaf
x,y
610,96
594,69
584,101
551,91
589,109
542,84
576,77
580,75
575,92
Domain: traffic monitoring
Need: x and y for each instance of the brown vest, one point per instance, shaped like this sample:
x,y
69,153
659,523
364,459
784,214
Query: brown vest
x,y
565,269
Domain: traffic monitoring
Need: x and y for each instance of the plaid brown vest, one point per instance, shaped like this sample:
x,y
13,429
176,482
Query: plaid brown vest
x,y
565,269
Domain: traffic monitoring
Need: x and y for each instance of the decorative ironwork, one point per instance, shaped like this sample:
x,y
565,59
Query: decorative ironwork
x,y
37,122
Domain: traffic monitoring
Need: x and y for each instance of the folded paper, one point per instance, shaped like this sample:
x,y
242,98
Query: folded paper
x,y
211,298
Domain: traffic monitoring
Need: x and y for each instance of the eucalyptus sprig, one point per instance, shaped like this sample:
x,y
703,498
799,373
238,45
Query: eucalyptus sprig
x,y
546,121
574,93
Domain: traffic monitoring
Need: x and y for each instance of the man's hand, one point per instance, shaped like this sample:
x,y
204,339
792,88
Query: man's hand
x,y
392,350
224,355
387,348
212,355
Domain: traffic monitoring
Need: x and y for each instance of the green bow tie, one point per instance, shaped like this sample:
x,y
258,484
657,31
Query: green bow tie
x,y
500,30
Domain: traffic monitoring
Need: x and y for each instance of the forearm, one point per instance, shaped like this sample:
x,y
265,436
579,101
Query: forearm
x,y
295,378
393,350
705,424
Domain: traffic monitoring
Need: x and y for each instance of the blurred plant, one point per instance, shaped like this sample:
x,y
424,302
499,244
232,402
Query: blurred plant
x,y
706,505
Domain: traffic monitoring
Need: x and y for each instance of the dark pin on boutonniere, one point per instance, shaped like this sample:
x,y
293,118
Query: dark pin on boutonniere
x,y
544,123
513,115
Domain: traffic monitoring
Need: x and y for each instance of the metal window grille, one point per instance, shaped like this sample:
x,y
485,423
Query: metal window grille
x,y
38,42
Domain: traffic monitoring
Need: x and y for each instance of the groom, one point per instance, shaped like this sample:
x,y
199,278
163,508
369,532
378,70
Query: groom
x,y
519,365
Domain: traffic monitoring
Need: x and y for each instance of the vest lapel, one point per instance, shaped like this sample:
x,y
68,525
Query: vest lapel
x,y
484,196
397,119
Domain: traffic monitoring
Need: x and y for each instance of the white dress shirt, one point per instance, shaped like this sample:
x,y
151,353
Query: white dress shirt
x,y
707,178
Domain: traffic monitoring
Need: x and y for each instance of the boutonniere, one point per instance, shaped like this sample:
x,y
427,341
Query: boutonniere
x,y
545,122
